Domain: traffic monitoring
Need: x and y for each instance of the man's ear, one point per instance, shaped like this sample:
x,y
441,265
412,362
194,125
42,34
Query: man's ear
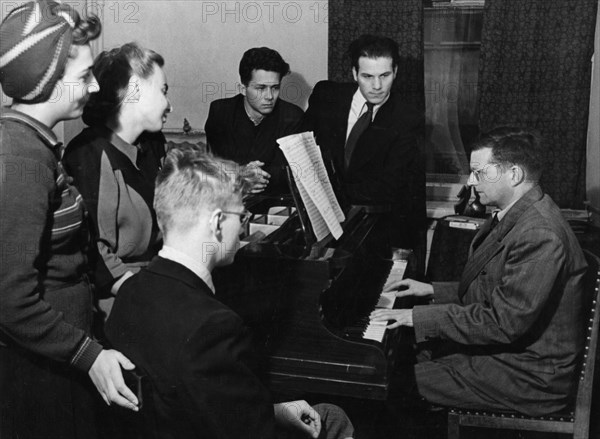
x,y
355,74
518,175
215,222
243,89
395,72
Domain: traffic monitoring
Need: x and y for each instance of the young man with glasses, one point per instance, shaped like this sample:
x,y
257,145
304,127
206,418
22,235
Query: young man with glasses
x,y
195,351
508,336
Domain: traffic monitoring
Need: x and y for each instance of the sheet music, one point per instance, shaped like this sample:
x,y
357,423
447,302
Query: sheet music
x,y
318,222
314,153
306,163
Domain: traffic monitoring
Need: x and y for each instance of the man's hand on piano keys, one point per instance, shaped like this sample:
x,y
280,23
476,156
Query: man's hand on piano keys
x,y
409,287
402,317
298,415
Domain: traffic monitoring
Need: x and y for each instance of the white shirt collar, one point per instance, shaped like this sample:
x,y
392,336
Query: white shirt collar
x,y
502,213
359,106
191,264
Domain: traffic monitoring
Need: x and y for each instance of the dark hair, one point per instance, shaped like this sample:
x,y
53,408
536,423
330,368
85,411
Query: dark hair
x,y
113,69
86,30
262,58
374,46
515,146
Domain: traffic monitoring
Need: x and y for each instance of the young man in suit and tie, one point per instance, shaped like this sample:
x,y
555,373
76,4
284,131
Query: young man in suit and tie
x,y
369,137
509,335
196,351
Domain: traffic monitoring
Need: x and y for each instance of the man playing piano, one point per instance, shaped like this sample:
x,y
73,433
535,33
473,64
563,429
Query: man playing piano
x,y
509,334
195,350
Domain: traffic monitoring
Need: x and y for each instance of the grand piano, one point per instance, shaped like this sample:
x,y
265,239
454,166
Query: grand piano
x,y
308,302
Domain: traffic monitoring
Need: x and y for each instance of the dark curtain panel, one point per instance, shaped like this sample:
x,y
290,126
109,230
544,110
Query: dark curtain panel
x,y
401,20
535,69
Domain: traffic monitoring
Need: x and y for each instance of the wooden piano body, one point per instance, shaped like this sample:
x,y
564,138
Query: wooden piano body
x,y
309,305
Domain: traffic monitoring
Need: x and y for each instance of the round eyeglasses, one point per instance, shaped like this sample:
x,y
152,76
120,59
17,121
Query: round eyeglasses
x,y
244,216
489,173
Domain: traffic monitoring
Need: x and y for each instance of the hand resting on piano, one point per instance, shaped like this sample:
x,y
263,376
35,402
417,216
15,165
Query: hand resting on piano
x,y
401,288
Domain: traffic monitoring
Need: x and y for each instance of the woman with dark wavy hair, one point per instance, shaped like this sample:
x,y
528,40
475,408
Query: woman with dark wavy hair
x,y
46,347
115,160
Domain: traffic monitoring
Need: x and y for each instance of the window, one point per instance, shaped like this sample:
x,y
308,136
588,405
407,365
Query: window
x,y
452,34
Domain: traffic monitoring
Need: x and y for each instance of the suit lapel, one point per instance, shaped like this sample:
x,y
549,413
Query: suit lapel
x,y
479,259
481,234
341,123
494,241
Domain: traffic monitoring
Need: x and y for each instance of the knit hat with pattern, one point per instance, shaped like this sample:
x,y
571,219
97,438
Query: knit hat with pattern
x,y
35,39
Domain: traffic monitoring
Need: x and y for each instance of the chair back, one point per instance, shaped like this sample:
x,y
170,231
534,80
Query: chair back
x,y
583,401
575,423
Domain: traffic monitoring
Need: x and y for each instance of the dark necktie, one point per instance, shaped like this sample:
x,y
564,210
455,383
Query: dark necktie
x,y
486,229
359,127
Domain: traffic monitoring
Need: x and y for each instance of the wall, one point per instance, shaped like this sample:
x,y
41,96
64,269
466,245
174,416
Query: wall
x,y
202,43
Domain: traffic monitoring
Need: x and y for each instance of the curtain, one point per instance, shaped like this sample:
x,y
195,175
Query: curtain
x,y
452,42
535,71
401,20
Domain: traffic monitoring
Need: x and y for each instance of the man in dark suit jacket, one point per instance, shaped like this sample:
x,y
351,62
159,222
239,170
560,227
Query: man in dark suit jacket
x,y
196,351
245,128
380,165
510,333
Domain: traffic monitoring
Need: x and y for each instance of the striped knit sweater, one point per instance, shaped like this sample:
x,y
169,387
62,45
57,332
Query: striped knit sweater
x,y
41,246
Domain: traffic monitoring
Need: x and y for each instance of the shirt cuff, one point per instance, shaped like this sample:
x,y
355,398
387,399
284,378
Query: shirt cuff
x,y
86,354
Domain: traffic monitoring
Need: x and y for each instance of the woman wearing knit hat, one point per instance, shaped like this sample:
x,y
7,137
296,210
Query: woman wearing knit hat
x,y
114,162
45,300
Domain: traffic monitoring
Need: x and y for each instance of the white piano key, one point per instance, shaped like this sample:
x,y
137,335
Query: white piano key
x,y
386,300
375,331
396,273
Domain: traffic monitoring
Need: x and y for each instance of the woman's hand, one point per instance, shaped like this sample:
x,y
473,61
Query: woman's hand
x,y
107,377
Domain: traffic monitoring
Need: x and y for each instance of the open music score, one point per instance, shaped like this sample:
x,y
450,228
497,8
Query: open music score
x,y
306,163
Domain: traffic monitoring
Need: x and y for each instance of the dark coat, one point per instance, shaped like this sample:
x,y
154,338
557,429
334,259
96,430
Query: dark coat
x,y
232,135
386,167
196,352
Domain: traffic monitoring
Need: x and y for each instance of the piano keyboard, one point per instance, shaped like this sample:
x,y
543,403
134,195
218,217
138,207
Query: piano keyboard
x,y
376,330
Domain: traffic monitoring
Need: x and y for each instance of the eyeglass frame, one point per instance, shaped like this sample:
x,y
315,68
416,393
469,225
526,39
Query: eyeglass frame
x,y
245,216
476,173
